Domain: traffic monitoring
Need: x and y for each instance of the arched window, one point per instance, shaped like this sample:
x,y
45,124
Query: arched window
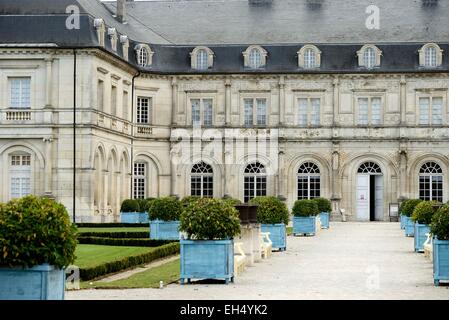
x,y
255,58
430,57
140,180
20,175
142,57
309,181
309,59
255,181
201,60
370,167
431,182
369,58
202,180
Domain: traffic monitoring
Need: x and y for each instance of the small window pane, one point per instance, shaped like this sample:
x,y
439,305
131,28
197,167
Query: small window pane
x,y
363,111
207,105
196,113
430,56
424,110
143,110
375,111
20,93
201,60
369,57
255,59
437,110
248,112
302,112
309,59
261,111
315,114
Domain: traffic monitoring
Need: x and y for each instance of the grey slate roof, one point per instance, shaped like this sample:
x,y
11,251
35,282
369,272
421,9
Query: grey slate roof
x,y
174,28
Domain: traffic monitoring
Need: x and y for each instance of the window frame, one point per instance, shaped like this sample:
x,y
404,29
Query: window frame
x,y
263,57
423,53
430,182
194,56
255,113
302,53
19,172
254,179
377,56
202,110
138,178
310,113
10,80
434,94
202,177
309,176
150,111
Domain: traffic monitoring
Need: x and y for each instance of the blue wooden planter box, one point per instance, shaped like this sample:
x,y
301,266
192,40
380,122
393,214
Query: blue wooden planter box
x,y
304,225
420,236
207,259
409,227
164,230
134,217
278,235
324,217
43,282
403,221
440,260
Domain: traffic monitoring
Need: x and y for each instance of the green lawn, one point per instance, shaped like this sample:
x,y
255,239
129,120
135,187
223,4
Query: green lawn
x,y
90,255
136,229
168,272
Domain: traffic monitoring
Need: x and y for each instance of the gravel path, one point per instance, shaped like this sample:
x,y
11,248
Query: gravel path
x,y
349,261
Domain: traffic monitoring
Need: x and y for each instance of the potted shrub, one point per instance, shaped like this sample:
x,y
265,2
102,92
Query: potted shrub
x,y
402,216
324,207
304,220
164,218
422,217
37,242
130,211
407,211
439,228
186,201
272,214
208,250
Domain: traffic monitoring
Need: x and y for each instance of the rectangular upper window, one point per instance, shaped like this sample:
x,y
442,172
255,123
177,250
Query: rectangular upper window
x,y
20,93
100,95
308,112
114,100
202,112
369,111
431,110
255,112
144,106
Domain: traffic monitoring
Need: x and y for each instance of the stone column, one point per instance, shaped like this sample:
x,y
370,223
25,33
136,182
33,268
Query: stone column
x,y
281,100
228,101
335,180
48,166
403,171
48,86
174,97
403,104
335,101
173,155
281,174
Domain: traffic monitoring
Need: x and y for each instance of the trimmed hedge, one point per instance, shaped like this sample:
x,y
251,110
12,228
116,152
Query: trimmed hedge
x,y
440,223
129,235
409,206
124,242
165,209
128,262
270,210
111,225
423,212
305,208
324,205
130,205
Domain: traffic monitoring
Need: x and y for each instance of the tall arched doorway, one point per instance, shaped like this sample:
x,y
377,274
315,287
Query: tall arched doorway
x,y
370,191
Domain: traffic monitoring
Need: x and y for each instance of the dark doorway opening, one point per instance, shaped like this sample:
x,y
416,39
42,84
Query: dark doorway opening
x,y
372,197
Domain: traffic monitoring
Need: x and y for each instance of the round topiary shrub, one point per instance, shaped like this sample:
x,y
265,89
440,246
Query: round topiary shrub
x,y
35,231
409,206
186,201
210,219
270,210
401,207
143,205
165,209
130,205
305,208
439,226
324,205
423,212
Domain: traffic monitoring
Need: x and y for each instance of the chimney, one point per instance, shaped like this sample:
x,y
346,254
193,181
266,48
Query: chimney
x,y
121,11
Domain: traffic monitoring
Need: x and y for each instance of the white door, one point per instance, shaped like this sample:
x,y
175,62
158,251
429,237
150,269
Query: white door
x,y
363,197
379,198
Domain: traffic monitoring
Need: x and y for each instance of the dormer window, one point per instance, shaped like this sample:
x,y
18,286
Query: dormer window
x,y
101,29
112,33
255,57
202,58
309,57
430,56
369,56
144,55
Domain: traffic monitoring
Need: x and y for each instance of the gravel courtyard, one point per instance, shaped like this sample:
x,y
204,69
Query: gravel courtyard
x,y
349,261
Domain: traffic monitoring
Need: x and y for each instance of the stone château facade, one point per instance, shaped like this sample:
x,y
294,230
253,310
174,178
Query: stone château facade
x,y
163,107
